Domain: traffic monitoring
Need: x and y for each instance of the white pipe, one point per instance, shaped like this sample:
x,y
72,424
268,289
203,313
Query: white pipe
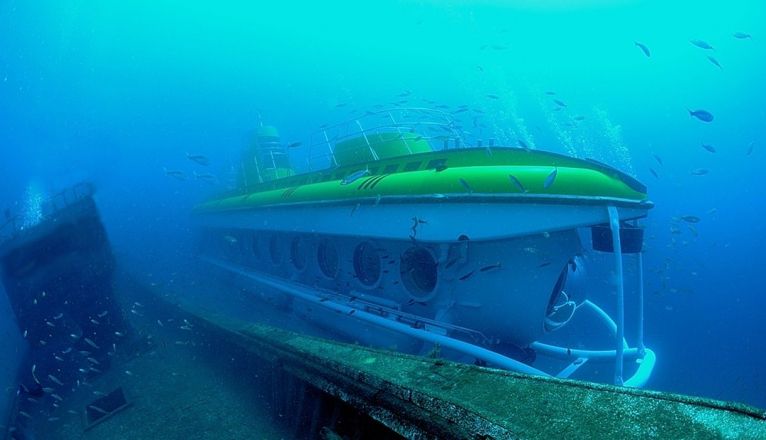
x,y
315,298
641,346
614,223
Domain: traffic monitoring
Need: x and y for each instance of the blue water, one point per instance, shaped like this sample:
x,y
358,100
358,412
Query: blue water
x,y
113,92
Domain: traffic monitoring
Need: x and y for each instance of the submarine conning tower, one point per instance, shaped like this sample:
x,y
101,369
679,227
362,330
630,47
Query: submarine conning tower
x,y
264,158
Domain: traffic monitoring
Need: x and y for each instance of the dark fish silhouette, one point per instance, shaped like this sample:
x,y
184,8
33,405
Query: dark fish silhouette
x,y
709,148
643,48
700,172
702,115
560,103
658,159
750,149
690,218
523,144
551,178
701,44
741,35
517,183
490,267
295,145
714,61
550,93
654,173
492,96
200,159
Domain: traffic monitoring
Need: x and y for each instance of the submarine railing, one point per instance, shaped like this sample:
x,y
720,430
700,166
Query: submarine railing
x,y
53,204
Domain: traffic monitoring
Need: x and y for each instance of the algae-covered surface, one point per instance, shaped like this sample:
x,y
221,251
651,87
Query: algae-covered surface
x,y
176,390
526,406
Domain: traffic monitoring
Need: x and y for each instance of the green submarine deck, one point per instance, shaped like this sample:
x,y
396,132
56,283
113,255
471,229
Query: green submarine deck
x,y
197,374
456,172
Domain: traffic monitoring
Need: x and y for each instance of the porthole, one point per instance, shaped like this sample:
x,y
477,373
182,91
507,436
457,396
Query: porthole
x,y
367,263
275,250
298,253
419,271
327,258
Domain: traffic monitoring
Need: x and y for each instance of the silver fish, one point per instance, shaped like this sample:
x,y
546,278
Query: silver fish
x,y
356,175
709,148
91,343
551,178
55,380
714,61
198,158
465,185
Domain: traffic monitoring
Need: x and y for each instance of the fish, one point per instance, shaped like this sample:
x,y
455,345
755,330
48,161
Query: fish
x,y
97,409
492,96
465,185
91,343
702,115
550,93
93,361
57,397
295,145
700,171
55,380
466,276
714,61
102,314
654,173
119,334
709,148
59,316
94,321
750,149
198,158
701,44
517,183
658,159
353,177
579,118
690,218
178,174
50,324
128,372
544,263
742,35
643,48
551,178
58,358
405,93
560,103
207,177
341,104
53,419
491,267
523,144
25,414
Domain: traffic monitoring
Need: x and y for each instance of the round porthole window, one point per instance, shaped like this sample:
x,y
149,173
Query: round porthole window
x,y
367,263
275,250
298,253
418,270
327,257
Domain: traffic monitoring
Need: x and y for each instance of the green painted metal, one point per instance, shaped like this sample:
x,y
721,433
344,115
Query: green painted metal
x,y
452,172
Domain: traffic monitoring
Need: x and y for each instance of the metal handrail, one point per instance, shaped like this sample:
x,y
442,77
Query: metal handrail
x,y
420,120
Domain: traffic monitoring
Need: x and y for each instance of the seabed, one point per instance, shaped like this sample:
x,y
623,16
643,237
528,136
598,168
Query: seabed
x,y
192,374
